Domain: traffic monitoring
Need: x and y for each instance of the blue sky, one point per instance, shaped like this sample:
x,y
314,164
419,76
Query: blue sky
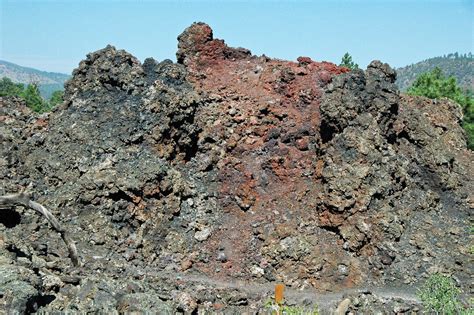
x,y
56,35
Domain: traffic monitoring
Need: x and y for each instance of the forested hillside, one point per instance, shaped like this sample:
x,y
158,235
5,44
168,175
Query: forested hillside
x,y
461,66
47,82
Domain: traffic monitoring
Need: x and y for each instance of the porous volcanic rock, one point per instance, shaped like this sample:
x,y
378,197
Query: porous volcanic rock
x,y
196,186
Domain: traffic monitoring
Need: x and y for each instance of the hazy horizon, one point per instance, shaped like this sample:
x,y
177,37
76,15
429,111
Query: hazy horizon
x,y
55,36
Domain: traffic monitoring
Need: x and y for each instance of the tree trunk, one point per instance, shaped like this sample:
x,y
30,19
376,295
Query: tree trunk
x,y
25,201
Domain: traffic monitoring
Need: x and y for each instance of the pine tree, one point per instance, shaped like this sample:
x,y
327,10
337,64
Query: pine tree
x,y
348,63
33,99
56,98
8,88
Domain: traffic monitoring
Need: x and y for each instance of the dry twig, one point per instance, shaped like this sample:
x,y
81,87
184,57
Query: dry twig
x,y
24,200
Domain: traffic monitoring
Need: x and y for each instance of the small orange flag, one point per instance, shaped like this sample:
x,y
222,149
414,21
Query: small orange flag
x,y
279,290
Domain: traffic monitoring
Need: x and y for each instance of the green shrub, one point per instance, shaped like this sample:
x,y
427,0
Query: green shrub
x,y
440,295
275,308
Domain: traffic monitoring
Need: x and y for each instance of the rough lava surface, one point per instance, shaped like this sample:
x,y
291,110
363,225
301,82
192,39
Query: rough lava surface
x,y
196,186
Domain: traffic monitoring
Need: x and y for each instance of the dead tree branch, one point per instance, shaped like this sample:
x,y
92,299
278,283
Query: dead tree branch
x,y
25,201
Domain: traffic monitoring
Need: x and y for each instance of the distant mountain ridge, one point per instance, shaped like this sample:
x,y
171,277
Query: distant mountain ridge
x,y
461,66
48,81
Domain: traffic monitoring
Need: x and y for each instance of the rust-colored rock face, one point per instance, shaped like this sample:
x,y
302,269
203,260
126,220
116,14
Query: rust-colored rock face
x,y
265,118
198,48
179,180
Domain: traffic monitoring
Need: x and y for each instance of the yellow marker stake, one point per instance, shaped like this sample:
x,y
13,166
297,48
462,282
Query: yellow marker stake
x,y
279,290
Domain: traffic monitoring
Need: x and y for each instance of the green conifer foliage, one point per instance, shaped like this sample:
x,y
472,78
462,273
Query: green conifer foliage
x,y
348,63
434,84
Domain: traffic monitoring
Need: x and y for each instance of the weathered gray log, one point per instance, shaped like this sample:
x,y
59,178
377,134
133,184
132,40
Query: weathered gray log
x,y
24,200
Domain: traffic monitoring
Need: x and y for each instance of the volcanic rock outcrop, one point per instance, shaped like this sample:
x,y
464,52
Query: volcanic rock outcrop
x,y
195,186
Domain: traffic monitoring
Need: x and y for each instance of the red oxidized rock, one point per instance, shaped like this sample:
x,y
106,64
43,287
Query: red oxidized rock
x,y
192,40
196,42
270,133
303,61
